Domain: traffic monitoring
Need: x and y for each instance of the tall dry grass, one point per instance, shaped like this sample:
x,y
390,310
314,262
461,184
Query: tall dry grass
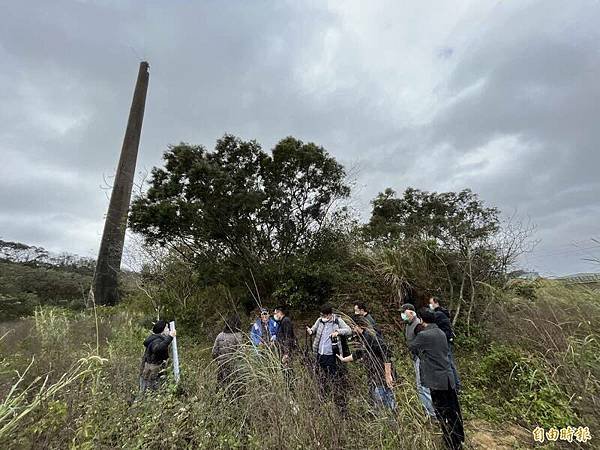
x,y
259,407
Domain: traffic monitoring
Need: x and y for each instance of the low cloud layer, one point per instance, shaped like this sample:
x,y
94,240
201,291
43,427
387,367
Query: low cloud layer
x,y
499,97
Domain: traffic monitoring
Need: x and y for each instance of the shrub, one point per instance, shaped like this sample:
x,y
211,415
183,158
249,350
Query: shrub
x,y
509,384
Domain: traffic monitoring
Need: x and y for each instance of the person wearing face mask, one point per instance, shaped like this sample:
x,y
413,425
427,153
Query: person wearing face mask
x,y
377,359
326,344
442,320
360,309
431,346
154,361
409,316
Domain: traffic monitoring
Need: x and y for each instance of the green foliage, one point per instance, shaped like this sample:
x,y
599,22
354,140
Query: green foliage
x,y
23,287
241,218
451,218
238,202
445,244
525,289
101,412
509,377
508,384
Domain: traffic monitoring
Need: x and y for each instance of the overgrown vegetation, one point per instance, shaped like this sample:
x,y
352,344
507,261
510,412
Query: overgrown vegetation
x,y
510,378
236,228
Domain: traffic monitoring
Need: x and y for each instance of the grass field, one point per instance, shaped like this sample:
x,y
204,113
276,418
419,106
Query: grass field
x,y
69,380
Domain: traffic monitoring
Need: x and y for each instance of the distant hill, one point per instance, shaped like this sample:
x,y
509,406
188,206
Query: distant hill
x,y
587,279
31,276
575,276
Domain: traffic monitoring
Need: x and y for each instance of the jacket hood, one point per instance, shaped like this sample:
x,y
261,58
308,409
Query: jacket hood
x,y
151,339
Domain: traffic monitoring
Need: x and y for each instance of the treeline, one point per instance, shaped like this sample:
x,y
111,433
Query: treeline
x,y
34,256
31,276
242,226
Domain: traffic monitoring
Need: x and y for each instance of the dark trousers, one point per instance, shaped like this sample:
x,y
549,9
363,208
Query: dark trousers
x,y
453,367
332,380
447,410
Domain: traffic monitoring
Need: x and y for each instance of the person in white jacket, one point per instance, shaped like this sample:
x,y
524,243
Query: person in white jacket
x,y
325,345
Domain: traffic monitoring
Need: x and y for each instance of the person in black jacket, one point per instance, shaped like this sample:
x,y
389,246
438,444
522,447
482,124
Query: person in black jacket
x,y
442,320
376,356
431,345
285,341
155,357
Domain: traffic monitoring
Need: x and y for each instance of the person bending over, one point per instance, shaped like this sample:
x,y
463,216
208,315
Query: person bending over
x,y
376,357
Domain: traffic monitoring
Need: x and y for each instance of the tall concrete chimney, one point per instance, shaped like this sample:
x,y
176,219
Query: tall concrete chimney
x,y
105,285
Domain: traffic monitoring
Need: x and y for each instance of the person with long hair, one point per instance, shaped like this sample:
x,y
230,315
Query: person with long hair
x,y
226,343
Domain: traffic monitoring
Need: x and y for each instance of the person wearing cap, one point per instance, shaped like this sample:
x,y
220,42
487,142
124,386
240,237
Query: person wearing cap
x,y
409,316
264,330
155,357
431,346
376,356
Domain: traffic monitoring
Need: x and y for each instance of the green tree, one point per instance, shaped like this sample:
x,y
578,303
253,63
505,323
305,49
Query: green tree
x,y
246,214
438,242
457,220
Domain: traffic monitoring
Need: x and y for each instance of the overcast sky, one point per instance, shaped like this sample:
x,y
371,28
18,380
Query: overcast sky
x,y
500,97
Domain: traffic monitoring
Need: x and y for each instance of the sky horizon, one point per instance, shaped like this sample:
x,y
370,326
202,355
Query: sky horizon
x,y
497,97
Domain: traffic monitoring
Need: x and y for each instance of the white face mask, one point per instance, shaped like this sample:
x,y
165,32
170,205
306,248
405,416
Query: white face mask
x,y
405,317
431,307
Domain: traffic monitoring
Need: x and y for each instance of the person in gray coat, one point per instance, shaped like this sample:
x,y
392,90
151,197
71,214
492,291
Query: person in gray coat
x,y
431,346
409,315
224,348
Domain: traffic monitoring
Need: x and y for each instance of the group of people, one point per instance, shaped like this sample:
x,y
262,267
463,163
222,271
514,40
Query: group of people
x,y
333,342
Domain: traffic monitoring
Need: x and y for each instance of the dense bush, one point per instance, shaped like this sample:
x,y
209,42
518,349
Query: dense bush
x,y
102,411
509,385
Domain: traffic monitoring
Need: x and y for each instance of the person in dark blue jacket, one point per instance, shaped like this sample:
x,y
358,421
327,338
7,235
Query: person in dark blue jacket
x,y
264,330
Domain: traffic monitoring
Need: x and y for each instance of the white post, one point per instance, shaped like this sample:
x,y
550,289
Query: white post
x,y
175,354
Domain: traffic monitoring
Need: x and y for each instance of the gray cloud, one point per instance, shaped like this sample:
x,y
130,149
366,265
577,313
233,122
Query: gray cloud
x,y
500,98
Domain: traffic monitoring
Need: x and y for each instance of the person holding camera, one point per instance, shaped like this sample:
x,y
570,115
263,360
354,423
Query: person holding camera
x,y
327,331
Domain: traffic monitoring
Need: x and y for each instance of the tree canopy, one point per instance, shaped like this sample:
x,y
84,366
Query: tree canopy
x,y
452,219
240,207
